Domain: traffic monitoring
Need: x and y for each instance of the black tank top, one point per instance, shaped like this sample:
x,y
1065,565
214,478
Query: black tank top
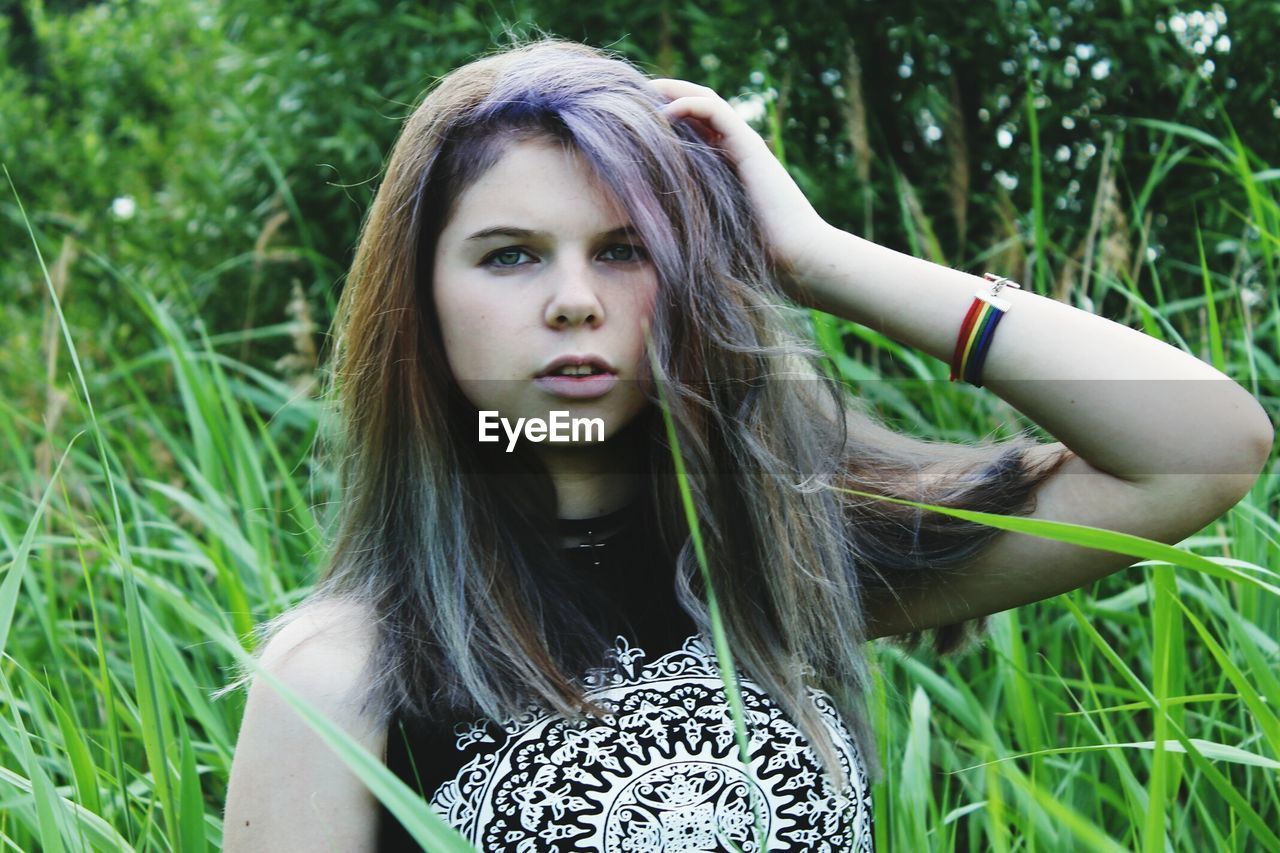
x,y
661,771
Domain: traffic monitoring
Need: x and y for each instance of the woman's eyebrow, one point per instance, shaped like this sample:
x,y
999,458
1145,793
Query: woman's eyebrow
x,y
621,232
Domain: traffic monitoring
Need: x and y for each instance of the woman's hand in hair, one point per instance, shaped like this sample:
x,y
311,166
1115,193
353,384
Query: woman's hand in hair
x,y
790,223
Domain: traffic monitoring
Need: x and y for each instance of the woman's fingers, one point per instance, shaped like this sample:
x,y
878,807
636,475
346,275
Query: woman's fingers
x,y
787,219
701,111
696,105
709,114
681,94
681,87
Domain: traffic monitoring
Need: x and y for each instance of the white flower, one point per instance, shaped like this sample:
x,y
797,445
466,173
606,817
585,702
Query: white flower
x,y
123,207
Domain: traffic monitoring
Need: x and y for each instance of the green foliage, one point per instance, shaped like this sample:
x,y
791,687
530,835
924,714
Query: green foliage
x,y
195,176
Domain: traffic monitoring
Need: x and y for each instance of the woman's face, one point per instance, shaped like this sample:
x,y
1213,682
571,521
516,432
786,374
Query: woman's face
x,y
573,282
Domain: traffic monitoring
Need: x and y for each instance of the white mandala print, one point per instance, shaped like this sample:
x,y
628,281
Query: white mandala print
x,y
660,772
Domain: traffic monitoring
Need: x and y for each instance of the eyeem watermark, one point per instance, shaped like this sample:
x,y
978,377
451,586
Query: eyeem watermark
x,y
539,430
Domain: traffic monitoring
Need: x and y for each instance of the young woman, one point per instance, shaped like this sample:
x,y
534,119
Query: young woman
x,y
520,628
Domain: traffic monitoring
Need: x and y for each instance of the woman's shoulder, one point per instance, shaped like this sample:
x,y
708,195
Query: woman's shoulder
x,y
323,648
288,789
321,622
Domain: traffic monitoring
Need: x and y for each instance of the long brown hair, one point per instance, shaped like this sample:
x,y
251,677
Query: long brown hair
x,y
472,621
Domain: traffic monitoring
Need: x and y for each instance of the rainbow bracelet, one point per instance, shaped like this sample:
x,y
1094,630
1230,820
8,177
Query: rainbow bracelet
x,y
976,330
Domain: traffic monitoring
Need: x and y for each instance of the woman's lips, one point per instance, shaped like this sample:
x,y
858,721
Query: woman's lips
x,y
578,387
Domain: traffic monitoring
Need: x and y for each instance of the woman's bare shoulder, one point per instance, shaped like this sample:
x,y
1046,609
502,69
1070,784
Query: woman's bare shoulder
x,y
330,639
286,784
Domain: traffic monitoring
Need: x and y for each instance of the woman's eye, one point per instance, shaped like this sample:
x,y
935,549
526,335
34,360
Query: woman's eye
x,y
636,252
492,260
509,258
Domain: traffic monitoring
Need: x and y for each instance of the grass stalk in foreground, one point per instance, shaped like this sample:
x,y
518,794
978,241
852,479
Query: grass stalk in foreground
x,y
724,654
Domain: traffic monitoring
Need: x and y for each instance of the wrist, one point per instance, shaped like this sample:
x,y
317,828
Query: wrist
x,y
809,268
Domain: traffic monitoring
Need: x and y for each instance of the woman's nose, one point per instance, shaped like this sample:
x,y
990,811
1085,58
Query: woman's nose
x,y
575,299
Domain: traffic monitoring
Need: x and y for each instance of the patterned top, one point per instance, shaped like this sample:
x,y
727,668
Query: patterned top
x,y
660,772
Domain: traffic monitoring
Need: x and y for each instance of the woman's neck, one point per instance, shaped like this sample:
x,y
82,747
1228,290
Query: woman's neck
x,y
587,494
593,480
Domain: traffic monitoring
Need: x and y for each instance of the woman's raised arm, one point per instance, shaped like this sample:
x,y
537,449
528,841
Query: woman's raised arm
x,y
1161,443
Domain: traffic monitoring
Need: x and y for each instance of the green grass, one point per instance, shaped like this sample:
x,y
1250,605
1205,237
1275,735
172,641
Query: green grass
x,y
172,503
724,653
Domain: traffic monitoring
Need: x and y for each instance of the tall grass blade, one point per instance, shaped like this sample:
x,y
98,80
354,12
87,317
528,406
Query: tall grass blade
x,y
724,654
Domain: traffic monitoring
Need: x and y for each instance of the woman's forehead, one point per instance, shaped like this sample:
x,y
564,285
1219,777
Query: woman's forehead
x,y
538,186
